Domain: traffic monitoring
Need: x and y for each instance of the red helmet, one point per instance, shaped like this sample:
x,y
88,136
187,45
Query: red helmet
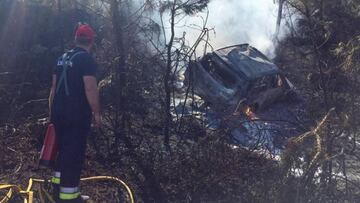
x,y
85,31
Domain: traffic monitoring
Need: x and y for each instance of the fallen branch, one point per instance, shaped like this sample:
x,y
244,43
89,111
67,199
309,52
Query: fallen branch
x,y
299,140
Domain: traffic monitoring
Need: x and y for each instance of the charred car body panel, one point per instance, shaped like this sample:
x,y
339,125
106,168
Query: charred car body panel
x,y
236,73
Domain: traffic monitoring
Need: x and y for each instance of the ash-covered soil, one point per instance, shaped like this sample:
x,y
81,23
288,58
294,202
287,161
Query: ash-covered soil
x,y
19,154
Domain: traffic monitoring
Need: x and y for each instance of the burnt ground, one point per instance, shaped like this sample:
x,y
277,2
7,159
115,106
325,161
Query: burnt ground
x,y
20,151
266,130
245,173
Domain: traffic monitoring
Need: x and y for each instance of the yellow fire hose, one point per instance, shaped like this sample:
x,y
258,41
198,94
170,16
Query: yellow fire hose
x,y
28,194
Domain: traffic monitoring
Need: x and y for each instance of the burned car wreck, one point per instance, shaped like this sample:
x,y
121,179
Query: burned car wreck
x,y
239,74
243,90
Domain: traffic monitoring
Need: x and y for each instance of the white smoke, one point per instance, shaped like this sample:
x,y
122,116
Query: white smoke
x,y
236,22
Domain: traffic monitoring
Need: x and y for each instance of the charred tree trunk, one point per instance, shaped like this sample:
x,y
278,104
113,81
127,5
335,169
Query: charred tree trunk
x,y
119,72
167,78
61,25
122,115
279,17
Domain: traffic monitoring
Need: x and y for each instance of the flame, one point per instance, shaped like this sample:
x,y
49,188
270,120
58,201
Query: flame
x,y
249,113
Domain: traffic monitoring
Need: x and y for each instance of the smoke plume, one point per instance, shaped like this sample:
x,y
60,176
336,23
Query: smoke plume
x,y
236,22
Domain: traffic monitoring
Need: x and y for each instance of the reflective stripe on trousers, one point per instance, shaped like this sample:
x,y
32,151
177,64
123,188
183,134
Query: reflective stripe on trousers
x,y
69,193
56,178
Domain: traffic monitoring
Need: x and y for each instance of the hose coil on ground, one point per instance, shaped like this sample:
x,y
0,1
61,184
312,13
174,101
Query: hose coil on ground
x,y
28,194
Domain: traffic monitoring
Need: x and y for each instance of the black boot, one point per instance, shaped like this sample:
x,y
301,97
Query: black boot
x,y
55,192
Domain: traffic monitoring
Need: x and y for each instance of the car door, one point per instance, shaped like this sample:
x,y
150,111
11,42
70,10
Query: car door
x,y
213,82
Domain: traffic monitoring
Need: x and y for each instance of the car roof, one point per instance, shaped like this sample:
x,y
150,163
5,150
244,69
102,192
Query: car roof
x,y
247,60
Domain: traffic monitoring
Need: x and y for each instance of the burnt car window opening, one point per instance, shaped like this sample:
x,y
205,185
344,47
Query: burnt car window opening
x,y
219,73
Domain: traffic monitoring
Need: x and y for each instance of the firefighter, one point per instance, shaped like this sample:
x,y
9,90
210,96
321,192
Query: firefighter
x,y
73,102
